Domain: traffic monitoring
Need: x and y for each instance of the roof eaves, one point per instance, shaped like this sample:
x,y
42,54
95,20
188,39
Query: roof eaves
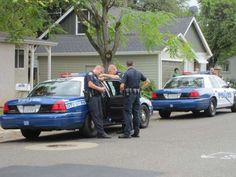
x,y
194,21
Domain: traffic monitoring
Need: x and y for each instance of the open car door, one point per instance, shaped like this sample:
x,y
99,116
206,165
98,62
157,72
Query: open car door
x,y
115,101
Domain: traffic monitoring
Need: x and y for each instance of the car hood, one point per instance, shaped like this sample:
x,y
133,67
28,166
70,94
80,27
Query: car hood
x,y
42,100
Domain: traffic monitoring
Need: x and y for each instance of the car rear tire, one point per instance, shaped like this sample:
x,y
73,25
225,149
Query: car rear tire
x,y
164,113
89,129
30,134
211,110
144,116
233,108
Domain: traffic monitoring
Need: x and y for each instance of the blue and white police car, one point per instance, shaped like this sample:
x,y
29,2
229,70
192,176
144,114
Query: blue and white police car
x,y
59,104
200,92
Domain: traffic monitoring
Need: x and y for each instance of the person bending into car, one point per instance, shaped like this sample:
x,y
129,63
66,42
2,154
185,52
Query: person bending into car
x,y
130,87
94,90
113,73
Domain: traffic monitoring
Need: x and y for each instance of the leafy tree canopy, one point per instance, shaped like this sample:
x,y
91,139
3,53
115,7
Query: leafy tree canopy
x,y
177,7
218,21
106,31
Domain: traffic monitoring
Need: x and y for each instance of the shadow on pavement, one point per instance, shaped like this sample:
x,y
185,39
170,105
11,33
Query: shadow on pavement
x,y
189,115
55,136
74,170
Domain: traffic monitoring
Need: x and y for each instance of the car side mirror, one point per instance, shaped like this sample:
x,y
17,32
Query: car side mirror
x,y
228,84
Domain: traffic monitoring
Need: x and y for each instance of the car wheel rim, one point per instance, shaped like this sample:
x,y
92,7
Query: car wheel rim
x,y
213,108
92,125
143,115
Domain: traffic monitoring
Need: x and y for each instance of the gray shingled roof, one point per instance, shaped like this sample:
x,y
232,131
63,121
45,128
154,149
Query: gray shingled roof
x,y
80,43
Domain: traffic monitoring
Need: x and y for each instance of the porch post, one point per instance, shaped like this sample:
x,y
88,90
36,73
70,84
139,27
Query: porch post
x,y
159,71
48,48
32,50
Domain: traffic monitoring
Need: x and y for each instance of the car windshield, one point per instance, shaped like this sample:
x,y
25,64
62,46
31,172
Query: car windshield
x,y
57,88
178,82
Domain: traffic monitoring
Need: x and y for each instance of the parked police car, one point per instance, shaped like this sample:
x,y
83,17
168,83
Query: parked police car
x,y
194,93
60,105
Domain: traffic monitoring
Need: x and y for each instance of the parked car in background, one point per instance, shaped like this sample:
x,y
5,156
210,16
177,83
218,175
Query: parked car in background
x,y
59,104
200,92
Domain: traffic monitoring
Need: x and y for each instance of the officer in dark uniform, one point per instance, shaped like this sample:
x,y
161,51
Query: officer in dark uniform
x,y
130,86
93,92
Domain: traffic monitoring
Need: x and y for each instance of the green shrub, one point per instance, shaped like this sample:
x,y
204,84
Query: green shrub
x,y
147,91
232,83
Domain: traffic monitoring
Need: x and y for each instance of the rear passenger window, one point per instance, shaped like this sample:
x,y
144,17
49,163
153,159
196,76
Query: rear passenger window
x,y
114,87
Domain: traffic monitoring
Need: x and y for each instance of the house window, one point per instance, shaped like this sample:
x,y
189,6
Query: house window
x,y
80,27
225,67
19,58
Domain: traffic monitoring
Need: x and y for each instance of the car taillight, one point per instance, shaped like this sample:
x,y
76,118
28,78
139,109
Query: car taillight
x,y
194,94
59,106
6,108
154,95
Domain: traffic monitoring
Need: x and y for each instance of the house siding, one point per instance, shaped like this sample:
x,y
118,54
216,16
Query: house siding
x,y
21,74
168,69
7,76
68,24
144,63
231,74
193,38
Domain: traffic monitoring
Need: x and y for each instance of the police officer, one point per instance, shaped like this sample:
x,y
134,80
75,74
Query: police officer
x,y
94,90
130,86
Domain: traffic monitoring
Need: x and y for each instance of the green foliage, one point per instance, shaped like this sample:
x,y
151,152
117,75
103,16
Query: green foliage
x,y
148,25
21,18
177,7
147,91
119,66
218,21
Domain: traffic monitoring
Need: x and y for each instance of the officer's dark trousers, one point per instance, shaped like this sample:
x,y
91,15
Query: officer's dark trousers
x,y
95,109
131,107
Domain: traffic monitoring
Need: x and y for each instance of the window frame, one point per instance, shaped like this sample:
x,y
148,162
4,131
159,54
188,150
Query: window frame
x,y
77,21
18,62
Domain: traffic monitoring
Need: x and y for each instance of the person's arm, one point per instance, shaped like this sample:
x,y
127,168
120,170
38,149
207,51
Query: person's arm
x,y
146,83
95,87
112,76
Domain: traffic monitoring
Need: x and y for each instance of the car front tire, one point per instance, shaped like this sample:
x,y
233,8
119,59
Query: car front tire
x,y
233,108
144,116
211,110
164,113
30,134
88,130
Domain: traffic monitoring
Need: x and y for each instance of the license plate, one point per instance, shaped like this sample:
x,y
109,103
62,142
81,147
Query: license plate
x,y
29,109
172,96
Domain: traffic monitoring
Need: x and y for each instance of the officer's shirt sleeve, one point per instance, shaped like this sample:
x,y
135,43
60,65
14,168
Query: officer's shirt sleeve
x,y
143,78
124,78
90,77
120,74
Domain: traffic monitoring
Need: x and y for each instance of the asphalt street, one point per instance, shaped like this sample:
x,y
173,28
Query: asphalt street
x,y
182,146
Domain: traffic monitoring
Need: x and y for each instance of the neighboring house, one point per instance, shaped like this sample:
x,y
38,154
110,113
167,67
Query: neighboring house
x,y
74,53
16,78
228,69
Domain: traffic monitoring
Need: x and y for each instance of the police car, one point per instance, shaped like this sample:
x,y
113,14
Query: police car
x,y
194,93
60,105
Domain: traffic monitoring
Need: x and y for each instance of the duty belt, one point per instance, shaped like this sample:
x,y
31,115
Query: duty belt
x,y
129,91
